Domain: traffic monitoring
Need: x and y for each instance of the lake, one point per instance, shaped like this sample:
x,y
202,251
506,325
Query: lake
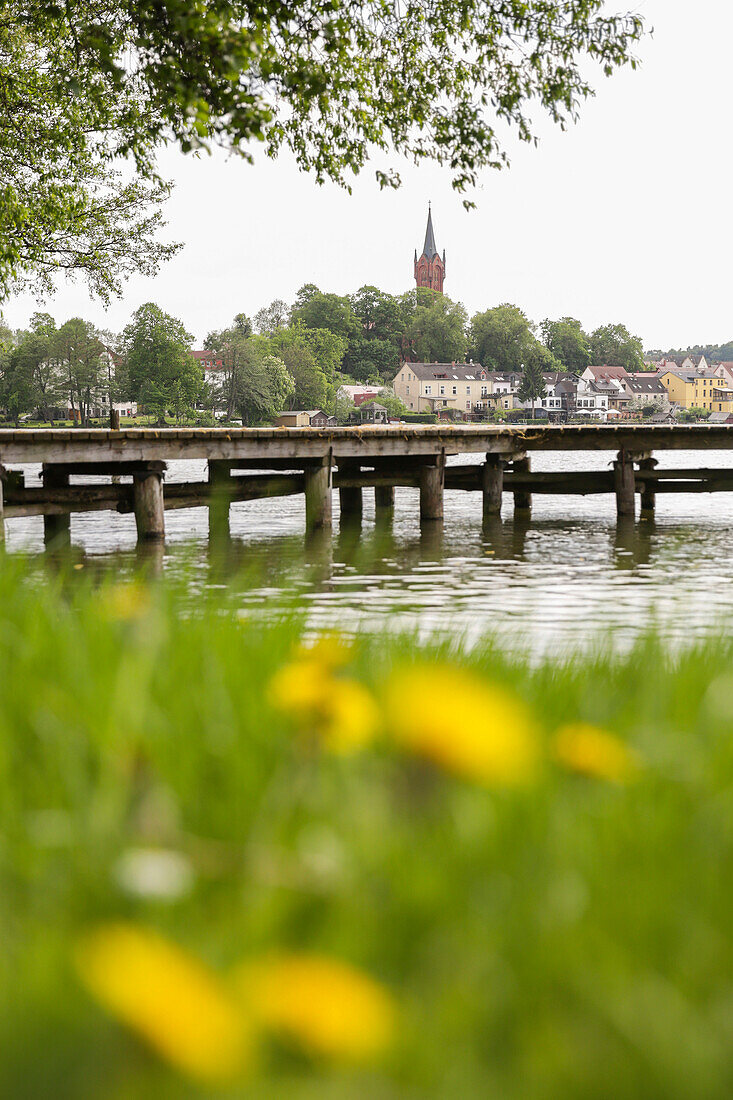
x,y
570,575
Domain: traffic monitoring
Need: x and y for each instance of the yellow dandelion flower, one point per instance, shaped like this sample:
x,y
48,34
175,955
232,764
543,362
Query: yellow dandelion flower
x,y
340,711
349,718
331,650
300,686
168,998
126,601
326,1007
592,751
468,727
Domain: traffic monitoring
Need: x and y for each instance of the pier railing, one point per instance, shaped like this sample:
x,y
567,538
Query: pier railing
x,y
251,464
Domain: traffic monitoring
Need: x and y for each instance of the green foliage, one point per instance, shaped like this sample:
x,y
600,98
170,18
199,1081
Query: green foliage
x,y
568,343
695,412
269,319
161,371
253,383
568,938
614,346
392,404
327,311
503,339
532,385
435,327
312,356
371,360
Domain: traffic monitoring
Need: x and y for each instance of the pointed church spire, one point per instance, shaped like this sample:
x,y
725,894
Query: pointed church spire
x,y
429,268
429,248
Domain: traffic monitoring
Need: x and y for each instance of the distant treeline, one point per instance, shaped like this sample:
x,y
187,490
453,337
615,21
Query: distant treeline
x,y
714,353
293,355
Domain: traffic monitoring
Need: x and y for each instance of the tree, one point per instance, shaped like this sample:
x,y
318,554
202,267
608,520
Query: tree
x,y
77,349
379,314
313,356
614,346
392,404
435,331
271,318
161,371
568,343
255,384
532,385
502,338
90,83
367,360
327,311
311,388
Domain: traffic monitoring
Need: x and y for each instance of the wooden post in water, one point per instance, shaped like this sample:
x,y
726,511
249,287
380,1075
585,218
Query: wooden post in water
x,y
57,528
350,497
220,480
2,521
114,419
432,480
522,499
383,503
492,483
318,492
147,492
648,496
624,483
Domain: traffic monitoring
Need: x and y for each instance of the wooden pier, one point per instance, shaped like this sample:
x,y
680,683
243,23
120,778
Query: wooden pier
x,y
255,463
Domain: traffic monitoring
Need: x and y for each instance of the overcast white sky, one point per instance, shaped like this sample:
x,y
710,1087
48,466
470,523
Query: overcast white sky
x,y
628,216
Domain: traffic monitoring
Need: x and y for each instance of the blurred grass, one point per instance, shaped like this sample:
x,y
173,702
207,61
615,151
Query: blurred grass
x,y
568,937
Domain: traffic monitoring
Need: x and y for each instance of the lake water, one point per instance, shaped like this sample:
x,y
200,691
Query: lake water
x,y
569,575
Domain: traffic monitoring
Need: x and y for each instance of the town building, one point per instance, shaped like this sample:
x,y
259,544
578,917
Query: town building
x,y
646,388
701,390
429,267
430,387
358,394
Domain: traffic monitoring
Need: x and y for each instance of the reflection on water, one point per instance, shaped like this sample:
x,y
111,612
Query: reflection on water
x,y
568,574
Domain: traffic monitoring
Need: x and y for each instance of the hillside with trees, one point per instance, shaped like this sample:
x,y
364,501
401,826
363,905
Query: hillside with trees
x,y
290,355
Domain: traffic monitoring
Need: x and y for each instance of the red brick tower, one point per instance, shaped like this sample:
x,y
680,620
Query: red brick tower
x,y
429,268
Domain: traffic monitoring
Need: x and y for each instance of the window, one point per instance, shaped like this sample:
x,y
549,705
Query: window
x,y
484,391
468,405
402,377
468,390
428,389
455,390
442,389
407,389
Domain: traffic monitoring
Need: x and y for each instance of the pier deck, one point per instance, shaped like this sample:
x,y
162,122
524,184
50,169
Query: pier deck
x,y
315,461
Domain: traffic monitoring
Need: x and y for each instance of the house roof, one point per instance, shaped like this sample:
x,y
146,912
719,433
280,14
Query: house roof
x,y
605,372
691,375
429,248
645,383
450,372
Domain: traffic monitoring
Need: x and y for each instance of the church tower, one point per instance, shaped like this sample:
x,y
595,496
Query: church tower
x,y
429,268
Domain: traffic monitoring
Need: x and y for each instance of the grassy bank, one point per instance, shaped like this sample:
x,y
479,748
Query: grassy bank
x,y
234,865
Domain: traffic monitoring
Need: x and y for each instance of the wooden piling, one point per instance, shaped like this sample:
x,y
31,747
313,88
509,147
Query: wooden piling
x,y
648,495
147,492
220,481
624,483
114,419
432,479
492,484
522,499
56,527
350,497
2,519
318,493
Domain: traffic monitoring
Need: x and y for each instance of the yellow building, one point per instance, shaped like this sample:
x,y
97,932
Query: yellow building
x,y
705,390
